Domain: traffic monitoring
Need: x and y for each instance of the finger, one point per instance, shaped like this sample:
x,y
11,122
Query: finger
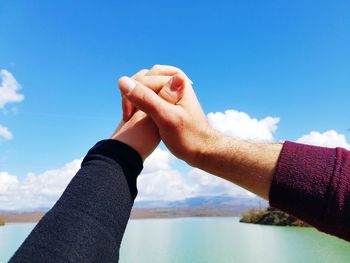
x,y
155,83
128,108
173,90
141,73
154,79
166,70
145,99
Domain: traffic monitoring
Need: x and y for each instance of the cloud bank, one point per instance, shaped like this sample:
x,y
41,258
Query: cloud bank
x,y
240,125
35,191
160,179
327,139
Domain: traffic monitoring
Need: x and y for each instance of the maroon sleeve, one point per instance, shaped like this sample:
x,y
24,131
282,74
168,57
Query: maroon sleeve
x,y
313,184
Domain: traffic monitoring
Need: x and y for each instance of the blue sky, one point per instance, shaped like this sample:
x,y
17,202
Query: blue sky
x,y
286,59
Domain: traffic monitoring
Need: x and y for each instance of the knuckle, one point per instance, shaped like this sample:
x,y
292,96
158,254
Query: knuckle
x,y
176,69
138,78
174,121
179,119
166,95
140,73
144,96
146,100
156,67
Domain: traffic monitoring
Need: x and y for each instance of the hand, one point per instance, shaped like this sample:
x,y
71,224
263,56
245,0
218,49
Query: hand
x,y
183,127
139,131
155,79
185,130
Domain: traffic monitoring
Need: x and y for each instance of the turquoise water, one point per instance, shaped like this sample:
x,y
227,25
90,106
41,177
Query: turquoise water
x,y
209,240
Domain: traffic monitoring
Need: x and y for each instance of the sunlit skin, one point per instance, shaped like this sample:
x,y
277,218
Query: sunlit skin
x,y
184,129
139,131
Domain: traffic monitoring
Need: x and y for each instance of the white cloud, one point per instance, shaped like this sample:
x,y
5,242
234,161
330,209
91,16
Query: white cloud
x,y
35,191
160,179
6,182
5,133
240,125
9,89
327,139
8,93
168,183
159,160
206,184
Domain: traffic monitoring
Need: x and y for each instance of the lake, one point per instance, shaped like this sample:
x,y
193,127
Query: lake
x,y
209,240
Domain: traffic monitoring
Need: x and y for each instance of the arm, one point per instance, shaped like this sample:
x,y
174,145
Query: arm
x,y
249,165
309,182
87,223
186,132
312,183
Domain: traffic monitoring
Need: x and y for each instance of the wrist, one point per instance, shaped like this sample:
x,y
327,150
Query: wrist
x,y
140,133
132,143
211,143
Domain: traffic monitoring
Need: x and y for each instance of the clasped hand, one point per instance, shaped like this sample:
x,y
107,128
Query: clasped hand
x,y
160,104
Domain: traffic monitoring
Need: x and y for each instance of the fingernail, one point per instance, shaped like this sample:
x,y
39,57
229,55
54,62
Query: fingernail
x,y
126,85
176,83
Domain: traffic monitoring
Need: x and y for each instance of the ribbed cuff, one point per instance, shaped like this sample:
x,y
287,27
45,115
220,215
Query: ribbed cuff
x,y
302,182
130,161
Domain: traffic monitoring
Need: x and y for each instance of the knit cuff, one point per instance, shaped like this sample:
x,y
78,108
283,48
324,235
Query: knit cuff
x,y
302,181
129,160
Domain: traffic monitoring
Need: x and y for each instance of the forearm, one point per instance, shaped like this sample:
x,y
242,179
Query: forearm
x,y
249,165
311,183
88,221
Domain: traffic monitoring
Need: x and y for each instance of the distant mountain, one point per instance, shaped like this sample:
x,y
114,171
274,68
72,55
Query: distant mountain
x,y
206,201
203,206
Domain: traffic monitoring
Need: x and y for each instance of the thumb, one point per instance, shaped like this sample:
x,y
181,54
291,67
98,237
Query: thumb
x,y
144,98
173,90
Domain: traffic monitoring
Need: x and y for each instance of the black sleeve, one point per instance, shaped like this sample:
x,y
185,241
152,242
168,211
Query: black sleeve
x,y
88,222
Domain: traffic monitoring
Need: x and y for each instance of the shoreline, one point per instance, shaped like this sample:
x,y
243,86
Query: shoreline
x,y
136,214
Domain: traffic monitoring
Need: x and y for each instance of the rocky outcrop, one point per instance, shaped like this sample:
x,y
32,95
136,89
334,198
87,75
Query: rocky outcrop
x,y
271,216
